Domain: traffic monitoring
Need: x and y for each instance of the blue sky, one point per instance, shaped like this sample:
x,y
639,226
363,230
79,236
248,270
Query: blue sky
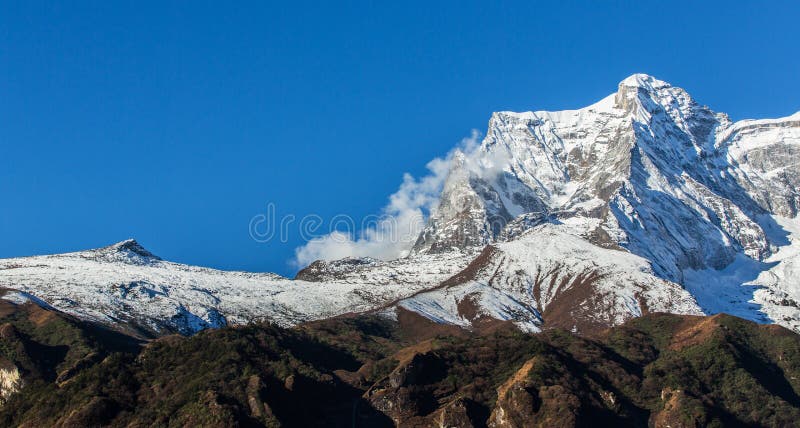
x,y
177,124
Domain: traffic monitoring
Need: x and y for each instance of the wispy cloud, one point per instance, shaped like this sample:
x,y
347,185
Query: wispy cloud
x,y
402,219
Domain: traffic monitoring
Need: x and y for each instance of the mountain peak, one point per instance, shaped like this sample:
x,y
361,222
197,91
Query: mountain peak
x,y
641,80
641,86
132,247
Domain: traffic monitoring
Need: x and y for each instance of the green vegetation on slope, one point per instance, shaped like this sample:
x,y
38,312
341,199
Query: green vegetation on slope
x,y
659,370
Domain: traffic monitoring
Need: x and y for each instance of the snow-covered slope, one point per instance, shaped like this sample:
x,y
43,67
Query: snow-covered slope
x,y
643,201
124,285
550,276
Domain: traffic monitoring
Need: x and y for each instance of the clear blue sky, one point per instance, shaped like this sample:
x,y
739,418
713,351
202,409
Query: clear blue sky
x,y
177,124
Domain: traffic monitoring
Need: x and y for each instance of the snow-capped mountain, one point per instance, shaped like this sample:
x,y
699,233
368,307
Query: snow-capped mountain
x,y
710,204
126,286
645,201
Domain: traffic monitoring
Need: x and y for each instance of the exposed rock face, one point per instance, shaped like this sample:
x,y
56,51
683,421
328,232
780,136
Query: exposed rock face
x,y
768,159
680,411
10,382
322,270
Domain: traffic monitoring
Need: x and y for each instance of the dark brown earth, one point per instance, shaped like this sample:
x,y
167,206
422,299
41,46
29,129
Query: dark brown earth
x,y
659,370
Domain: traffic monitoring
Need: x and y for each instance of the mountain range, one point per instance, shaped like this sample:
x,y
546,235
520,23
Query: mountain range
x,y
645,201
635,262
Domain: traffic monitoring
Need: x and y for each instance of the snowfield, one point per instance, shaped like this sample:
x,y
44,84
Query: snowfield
x,y
125,284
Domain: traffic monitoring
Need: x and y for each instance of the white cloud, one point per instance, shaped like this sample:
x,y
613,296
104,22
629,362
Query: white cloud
x,y
404,217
